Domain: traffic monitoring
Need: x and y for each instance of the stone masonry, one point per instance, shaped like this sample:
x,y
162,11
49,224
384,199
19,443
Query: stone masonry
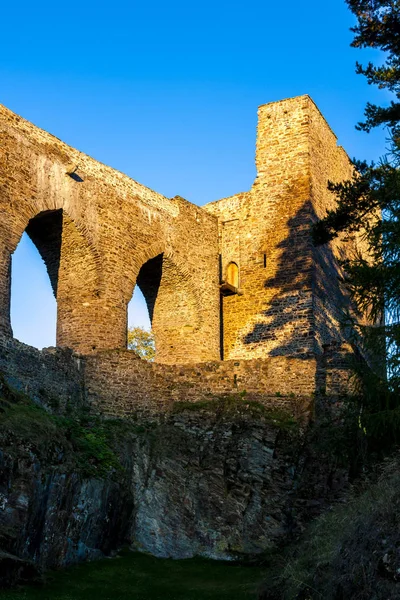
x,y
234,289
289,301
99,233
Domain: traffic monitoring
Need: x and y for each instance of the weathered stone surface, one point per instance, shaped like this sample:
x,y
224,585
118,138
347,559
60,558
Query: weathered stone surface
x,y
290,301
208,469
197,479
210,487
53,377
123,384
55,518
203,482
101,233
119,383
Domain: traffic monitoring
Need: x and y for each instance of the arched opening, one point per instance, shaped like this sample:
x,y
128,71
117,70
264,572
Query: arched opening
x,y
140,337
172,308
138,314
33,304
232,275
230,285
33,292
141,307
72,272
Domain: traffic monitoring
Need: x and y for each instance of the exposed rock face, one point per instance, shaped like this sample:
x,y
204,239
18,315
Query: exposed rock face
x,y
210,487
57,518
201,482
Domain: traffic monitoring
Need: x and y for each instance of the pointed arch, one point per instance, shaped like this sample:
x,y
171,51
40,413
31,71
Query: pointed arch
x,y
173,305
73,266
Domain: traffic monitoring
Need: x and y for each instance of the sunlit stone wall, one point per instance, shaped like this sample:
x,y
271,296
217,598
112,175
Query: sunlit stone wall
x,y
238,279
289,301
95,228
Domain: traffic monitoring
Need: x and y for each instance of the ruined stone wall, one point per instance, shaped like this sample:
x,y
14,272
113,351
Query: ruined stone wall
x,y
329,162
100,233
290,301
110,227
120,383
53,378
265,232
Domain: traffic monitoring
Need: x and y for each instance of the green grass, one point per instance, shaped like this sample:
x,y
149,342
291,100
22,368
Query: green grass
x,y
136,576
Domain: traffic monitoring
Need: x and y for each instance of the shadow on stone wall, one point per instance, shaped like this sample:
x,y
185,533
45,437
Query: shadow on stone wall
x,y
305,313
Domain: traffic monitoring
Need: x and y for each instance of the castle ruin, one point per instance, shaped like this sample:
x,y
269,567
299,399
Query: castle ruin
x,y
238,296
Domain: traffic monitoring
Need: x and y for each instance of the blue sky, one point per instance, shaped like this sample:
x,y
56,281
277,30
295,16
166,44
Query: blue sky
x,y
168,93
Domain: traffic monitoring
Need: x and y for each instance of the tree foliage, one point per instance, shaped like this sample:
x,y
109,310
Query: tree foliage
x,y
375,186
370,205
141,341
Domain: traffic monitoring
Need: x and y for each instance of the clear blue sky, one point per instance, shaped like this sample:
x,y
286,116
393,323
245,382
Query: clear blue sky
x,y
167,92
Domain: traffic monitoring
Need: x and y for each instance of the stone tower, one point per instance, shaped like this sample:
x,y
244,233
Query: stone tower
x,y
288,301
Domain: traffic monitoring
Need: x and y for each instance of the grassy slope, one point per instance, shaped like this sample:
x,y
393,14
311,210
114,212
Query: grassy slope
x,y
136,576
350,553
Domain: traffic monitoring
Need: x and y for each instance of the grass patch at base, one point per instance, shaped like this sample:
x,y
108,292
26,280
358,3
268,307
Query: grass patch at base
x,y
136,576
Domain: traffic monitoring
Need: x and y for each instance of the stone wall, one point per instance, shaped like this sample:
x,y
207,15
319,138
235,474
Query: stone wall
x,y
53,377
95,229
101,233
264,232
329,162
120,383
290,301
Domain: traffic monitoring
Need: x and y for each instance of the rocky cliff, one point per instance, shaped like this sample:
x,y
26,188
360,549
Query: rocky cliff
x,y
221,479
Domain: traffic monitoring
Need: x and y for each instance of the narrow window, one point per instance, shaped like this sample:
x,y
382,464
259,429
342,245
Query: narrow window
x,y
232,275
265,260
141,309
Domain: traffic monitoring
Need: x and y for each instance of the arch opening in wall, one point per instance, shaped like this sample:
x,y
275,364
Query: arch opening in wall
x,y
140,309
172,308
34,280
52,238
230,285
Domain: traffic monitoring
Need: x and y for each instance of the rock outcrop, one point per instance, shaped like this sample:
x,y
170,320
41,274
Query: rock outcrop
x,y
222,479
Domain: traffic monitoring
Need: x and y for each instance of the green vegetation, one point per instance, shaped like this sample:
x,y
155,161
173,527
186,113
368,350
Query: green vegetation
x,y
135,576
369,205
350,552
142,342
79,441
